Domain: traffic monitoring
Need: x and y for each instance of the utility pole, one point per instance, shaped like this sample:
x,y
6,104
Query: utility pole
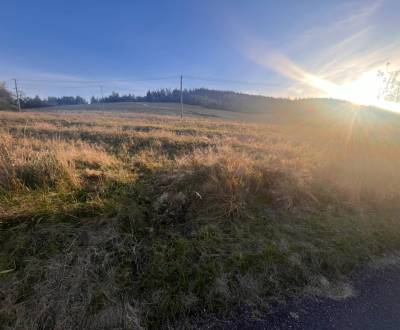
x,y
102,96
181,99
17,94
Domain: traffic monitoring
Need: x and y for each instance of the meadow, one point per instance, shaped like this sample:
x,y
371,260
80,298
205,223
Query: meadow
x,y
119,219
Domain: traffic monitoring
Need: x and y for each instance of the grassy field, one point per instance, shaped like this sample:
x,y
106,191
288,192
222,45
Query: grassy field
x,y
121,219
170,109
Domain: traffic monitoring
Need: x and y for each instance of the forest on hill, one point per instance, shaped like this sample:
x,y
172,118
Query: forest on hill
x,y
208,98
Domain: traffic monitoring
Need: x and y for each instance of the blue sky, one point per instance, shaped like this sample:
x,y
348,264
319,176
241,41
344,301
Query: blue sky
x,y
231,40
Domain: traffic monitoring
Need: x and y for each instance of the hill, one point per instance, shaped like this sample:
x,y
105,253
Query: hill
x,y
221,104
122,219
206,98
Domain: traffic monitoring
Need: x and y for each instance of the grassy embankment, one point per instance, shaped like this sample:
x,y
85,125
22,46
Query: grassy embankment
x,y
129,221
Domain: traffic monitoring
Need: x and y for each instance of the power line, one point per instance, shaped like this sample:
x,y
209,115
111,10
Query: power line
x,y
243,82
188,77
29,86
90,85
97,81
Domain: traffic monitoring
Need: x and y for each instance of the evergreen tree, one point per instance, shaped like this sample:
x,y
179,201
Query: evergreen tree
x,y
6,99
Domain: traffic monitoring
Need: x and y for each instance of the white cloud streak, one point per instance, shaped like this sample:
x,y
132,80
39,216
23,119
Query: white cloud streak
x,y
341,51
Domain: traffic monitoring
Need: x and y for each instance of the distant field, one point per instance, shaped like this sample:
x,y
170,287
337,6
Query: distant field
x,y
325,113
174,109
128,217
171,109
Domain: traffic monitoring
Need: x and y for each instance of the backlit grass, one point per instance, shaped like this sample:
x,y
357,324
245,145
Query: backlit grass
x,y
134,221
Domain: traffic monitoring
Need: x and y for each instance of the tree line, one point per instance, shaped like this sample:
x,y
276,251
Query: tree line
x,y
209,98
51,101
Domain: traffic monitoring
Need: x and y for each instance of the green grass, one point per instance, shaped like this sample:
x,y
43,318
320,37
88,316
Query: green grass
x,y
126,220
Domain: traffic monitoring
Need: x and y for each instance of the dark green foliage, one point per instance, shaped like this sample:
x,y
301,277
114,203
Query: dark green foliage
x,y
224,100
37,102
6,100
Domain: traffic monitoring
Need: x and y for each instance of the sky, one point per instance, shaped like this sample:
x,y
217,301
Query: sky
x,y
278,48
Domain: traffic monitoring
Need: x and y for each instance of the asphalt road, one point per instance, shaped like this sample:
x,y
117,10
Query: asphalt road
x,y
375,305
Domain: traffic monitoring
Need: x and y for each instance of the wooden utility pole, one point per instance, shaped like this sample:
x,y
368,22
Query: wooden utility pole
x,y
102,96
181,100
17,94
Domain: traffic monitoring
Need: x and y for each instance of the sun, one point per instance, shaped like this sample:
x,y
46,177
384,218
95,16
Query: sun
x,y
363,90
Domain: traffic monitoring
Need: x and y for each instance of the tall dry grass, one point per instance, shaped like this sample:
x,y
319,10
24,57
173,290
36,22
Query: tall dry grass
x,y
156,220
35,163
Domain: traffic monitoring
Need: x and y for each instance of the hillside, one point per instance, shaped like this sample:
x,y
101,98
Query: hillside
x,y
304,114
122,219
209,103
201,97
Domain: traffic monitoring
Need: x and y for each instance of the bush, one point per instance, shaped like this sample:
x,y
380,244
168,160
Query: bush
x,y
6,101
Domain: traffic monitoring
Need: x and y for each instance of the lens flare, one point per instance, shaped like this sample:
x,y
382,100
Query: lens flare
x,y
363,91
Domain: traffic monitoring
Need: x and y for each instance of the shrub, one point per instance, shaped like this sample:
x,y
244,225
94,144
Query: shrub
x,y
6,101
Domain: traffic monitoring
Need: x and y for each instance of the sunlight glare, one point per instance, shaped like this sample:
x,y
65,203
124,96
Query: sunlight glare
x,y
362,91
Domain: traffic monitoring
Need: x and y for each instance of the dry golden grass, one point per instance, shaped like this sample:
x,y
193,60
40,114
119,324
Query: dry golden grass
x,y
148,220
